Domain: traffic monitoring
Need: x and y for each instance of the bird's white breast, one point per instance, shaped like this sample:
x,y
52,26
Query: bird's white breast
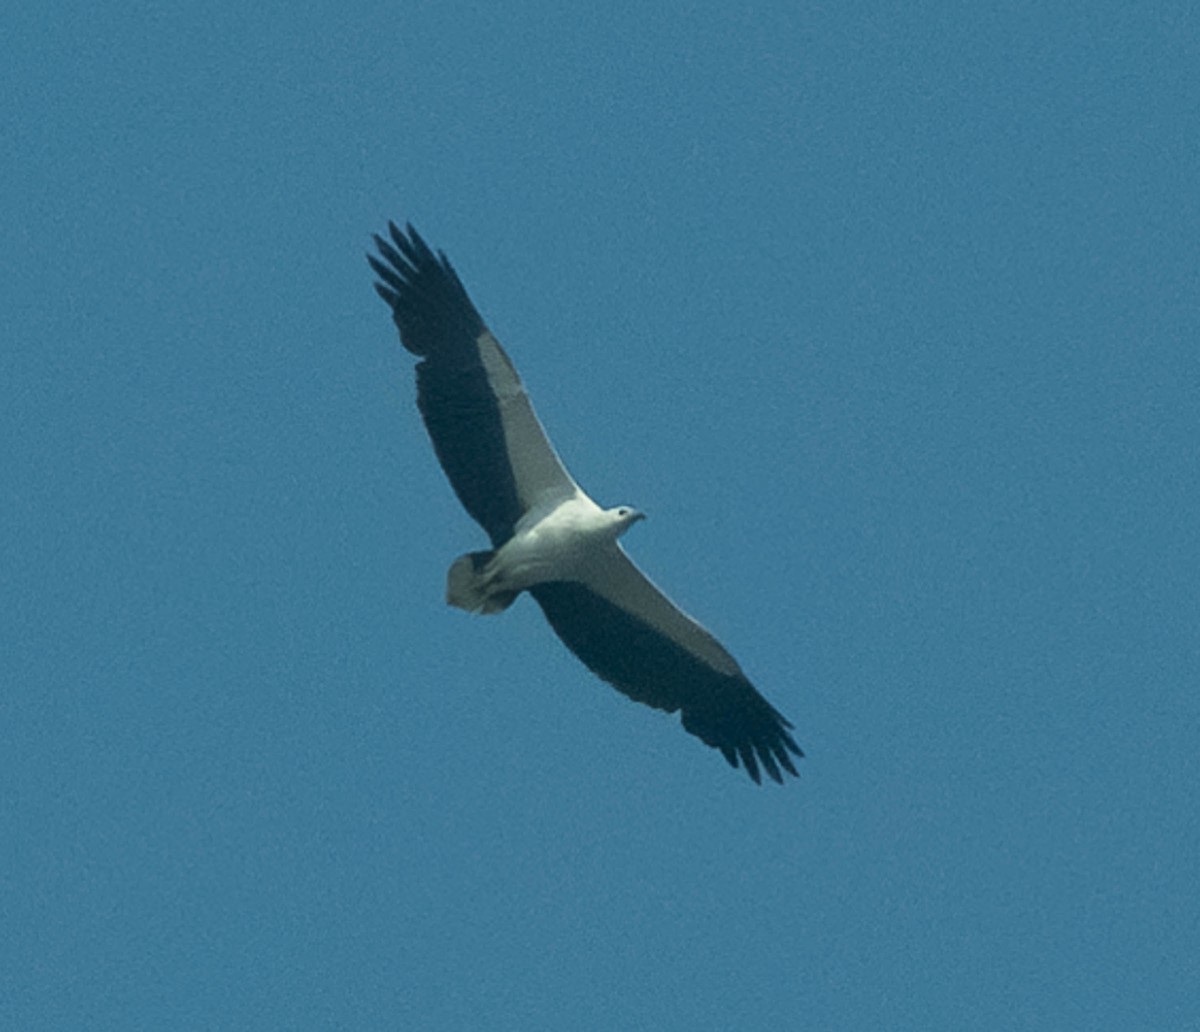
x,y
554,544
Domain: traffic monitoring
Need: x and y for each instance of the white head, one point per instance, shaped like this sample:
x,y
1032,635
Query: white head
x,y
623,517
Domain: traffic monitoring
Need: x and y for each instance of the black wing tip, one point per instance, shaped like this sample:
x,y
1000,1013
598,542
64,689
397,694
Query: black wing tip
x,y
428,301
408,254
407,260
770,748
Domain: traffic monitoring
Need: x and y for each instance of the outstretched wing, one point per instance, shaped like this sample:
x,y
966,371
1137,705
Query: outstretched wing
x,y
628,632
482,424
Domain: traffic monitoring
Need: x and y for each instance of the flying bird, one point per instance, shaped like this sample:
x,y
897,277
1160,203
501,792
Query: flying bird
x,y
548,537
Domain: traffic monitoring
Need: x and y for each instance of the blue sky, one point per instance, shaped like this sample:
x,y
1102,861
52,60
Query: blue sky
x,y
888,316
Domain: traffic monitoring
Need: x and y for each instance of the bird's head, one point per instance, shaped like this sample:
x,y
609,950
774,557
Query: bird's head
x,y
624,517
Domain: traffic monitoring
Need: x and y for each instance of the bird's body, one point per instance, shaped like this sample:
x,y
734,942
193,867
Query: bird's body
x,y
549,544
549,538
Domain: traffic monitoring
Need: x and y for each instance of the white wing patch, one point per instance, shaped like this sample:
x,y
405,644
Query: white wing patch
x,y
539,473
613,576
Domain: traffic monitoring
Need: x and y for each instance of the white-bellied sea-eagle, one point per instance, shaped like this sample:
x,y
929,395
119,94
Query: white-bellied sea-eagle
x,y
548,537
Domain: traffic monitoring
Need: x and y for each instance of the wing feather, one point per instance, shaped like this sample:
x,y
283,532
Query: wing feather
x,y
644,645
482,424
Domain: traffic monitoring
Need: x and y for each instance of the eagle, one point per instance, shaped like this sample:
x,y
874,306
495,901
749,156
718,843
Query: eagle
x,y
548,537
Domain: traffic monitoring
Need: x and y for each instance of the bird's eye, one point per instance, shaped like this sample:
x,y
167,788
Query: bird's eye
x,y
622,512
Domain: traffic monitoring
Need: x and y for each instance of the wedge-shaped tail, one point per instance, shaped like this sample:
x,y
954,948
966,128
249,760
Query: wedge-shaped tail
x,y
467,585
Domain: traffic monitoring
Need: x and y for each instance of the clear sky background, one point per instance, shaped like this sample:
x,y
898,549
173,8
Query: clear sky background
x,y
887,314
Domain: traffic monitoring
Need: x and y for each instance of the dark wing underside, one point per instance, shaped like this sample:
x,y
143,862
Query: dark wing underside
x,y
438,321
723,710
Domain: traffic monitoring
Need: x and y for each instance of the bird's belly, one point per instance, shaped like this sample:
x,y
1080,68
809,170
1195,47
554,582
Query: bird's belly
x,y
540,555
